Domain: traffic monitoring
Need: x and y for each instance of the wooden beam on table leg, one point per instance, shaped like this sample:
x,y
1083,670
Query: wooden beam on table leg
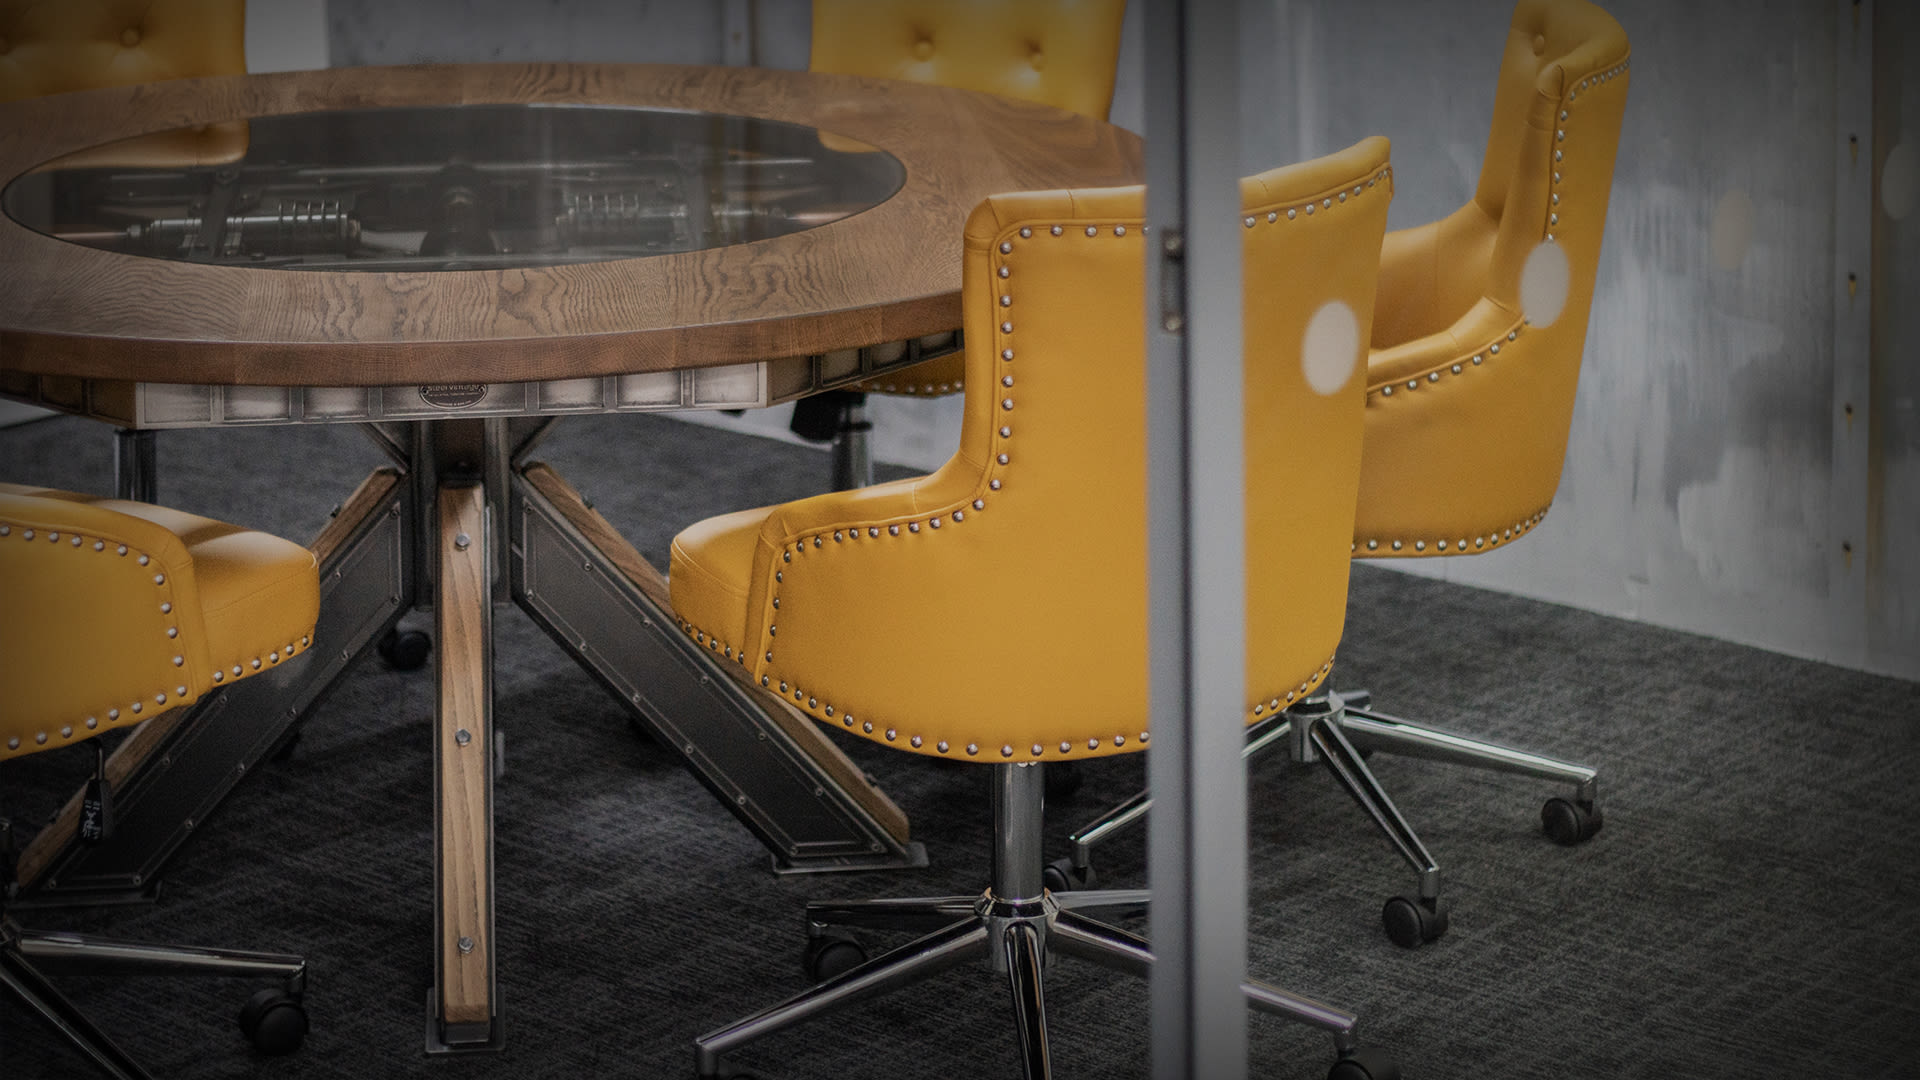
x,y
466,1012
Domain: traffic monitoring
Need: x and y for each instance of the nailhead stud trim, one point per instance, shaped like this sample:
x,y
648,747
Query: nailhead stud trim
x,y
1553,216
978,503
78,542
1493,536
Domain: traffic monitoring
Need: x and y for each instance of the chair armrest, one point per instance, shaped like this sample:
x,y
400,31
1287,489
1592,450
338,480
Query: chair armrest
x,y
102,624
120,610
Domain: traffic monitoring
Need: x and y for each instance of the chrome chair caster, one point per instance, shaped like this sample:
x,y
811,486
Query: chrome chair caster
x,y
274,1021
1061,875
405,650
832,952
1364,1064
1412,922
1570,821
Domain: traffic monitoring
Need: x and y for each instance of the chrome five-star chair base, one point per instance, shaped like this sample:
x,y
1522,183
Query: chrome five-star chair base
x,y
1011,927
1335,729
274,1020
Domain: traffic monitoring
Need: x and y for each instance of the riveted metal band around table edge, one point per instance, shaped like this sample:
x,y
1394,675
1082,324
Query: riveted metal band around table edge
x,y
159,406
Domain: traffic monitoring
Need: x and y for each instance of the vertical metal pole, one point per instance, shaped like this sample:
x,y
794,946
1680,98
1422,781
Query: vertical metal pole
x,y
1848,515
136,473
1019,794
1196,556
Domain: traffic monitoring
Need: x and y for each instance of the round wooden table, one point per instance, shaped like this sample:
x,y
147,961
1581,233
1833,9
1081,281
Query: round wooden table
x,y
888,274
455,373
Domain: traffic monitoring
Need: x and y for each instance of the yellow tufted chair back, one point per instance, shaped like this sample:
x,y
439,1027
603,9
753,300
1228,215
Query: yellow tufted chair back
x,y
996,609
118,611
57,46
1470,394
1057,52
53,46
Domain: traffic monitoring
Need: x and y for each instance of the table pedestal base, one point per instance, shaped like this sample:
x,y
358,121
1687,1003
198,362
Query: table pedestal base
x,y
462,523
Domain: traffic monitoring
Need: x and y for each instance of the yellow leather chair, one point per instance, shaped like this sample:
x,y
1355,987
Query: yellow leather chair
x,y
1476,350
117,612
60,46
1057,52
994,612
54,46
57,46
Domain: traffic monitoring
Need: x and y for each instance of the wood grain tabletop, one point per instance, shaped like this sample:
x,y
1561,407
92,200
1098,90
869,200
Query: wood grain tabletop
x,y
885,274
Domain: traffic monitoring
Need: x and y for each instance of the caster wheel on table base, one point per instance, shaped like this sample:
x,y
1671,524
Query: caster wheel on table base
x,y
1412,922
406,650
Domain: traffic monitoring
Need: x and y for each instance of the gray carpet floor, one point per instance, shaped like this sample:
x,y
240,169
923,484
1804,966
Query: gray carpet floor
x,y
1748,911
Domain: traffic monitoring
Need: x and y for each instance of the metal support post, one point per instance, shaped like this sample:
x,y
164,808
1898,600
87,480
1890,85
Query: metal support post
x,y
1196,541
136,465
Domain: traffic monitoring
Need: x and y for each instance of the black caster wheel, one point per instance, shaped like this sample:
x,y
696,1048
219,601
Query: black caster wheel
x,y
1569,822
1062,876
1368,1064
832,952
1411,923
1063,779
406,650
274,1021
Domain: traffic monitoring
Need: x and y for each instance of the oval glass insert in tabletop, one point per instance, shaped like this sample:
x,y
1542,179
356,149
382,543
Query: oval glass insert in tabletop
x,y
464,187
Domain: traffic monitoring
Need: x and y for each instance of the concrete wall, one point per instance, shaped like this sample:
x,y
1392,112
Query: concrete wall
x,y
1711,480
1704,476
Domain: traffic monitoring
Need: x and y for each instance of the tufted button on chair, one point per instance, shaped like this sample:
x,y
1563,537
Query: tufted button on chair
x,y
994,612
1056,52
117,612
1475,357
49,47
54,46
